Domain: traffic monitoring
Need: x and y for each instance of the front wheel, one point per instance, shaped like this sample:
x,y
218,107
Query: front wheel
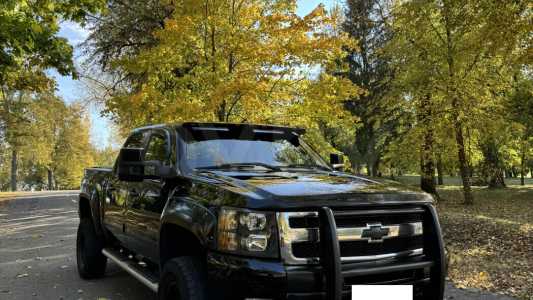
x,y
91,261
183,278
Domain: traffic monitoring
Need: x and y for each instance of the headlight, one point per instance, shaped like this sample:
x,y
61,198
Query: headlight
x,y
247,232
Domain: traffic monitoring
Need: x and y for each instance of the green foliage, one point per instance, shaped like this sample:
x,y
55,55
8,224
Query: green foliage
x,y
520,104
456,53
29,43
380,114
105,157
52,143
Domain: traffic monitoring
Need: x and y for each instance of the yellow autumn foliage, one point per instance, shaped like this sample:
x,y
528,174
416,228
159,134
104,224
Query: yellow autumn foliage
x,y
240,61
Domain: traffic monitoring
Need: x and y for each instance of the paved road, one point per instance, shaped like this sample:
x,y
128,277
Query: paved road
x,y
37,255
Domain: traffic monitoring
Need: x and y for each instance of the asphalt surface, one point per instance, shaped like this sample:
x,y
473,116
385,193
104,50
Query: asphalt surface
x,y
38,260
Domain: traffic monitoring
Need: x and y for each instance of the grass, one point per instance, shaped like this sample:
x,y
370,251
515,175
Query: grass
x,y
490,244
456,181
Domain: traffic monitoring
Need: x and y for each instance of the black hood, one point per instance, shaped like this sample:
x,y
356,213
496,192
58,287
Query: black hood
x,y
308,188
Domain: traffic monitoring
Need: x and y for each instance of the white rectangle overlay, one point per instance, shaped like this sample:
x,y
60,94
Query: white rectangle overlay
x,y
382,292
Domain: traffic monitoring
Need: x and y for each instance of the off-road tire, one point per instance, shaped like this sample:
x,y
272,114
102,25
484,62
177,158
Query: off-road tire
x,y
183,278
91,262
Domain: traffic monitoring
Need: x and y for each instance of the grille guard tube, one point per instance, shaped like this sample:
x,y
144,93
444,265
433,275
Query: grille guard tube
x,y
330,256
332,277
435,248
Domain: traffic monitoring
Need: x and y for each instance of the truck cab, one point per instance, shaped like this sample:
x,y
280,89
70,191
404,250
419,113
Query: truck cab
x,y
235,211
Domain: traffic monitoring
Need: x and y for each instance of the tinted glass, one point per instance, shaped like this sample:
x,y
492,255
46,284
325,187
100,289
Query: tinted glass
x,y
136,140
157,148
279,153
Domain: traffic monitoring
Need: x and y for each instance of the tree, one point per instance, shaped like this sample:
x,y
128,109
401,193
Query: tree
x,y
491,143
520,108
366,21
105,157
28,46
240,61
29,43
49,143
60,136
121,32
73,150
14,125
467,54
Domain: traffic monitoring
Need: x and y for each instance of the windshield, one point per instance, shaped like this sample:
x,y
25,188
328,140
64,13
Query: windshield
x,y
267,154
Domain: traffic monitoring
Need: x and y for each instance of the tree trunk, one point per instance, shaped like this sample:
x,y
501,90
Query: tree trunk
x,y
427,179
523,167
463,164
14,167
375,168
221,112
492,171
456,108
358,168
51,180
427,165
496,179
440,171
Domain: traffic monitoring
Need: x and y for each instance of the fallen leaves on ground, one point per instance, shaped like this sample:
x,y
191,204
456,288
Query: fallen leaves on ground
x,y
490,244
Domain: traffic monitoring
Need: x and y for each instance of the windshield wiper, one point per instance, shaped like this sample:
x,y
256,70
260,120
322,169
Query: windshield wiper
x,y
242,166
307,166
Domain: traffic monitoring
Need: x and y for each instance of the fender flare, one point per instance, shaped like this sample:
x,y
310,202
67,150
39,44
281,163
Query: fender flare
x,y
191,216
93,199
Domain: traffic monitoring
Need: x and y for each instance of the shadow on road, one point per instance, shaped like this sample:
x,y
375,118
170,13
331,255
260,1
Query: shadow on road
x,y
37,255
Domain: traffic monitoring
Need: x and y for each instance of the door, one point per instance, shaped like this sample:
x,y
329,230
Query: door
x,y
148,198
117,192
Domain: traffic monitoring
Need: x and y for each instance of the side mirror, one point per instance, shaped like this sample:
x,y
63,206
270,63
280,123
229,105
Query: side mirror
x,y
154,169
337,161
130,166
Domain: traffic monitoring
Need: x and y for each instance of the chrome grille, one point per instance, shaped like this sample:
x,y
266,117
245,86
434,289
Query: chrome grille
x,y
363,236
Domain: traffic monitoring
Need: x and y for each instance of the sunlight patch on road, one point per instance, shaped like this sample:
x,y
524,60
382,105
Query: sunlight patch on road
x,y
45,258
28,249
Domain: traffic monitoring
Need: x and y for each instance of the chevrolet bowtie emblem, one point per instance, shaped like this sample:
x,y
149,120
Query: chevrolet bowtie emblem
x,y
375,233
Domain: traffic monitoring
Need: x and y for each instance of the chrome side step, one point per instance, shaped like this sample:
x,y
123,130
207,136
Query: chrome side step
x,y
132,268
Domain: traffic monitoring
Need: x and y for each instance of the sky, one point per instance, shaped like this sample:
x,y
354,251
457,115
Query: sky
x,y
72,90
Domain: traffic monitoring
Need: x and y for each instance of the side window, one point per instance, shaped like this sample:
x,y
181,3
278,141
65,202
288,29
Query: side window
x,y
136,140
157,148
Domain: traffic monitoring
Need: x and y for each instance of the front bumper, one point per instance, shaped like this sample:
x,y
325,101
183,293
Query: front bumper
x,y
255,278
271,279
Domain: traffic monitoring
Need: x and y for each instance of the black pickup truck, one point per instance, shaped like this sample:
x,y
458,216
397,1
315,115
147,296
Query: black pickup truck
x,y
235,211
